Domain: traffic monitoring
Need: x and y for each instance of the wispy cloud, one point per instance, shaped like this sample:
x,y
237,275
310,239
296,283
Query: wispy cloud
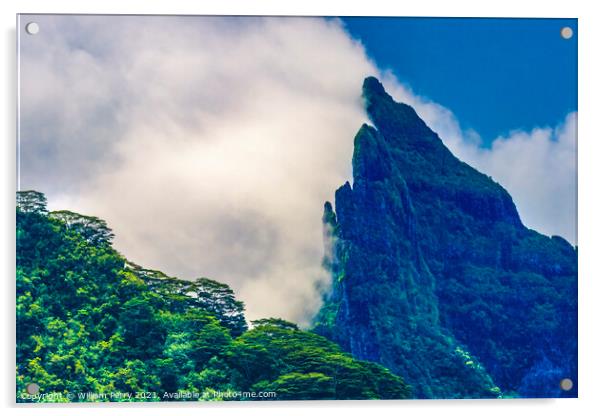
x,y
210,144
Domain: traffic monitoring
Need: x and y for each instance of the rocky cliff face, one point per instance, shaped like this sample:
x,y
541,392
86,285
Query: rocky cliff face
x,y
434,274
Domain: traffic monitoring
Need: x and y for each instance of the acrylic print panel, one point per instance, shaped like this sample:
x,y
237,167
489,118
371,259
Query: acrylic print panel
x,y
295,208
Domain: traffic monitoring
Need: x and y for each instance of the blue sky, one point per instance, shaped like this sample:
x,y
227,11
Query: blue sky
x,y
496,75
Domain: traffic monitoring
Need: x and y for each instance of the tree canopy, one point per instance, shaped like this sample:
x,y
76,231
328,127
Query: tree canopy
x,y
90,321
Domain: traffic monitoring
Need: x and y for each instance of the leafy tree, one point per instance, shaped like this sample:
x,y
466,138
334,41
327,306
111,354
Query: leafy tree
x,y
93,229
218,298
142,332
277,322
31,202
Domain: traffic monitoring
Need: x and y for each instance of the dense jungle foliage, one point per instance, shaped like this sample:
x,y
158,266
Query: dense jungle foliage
x,y
92,326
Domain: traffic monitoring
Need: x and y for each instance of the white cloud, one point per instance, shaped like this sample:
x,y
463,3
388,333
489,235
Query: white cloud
x,y
539,169
209,145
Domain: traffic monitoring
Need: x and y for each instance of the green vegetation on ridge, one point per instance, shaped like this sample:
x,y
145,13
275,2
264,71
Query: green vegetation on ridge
x,y
89,321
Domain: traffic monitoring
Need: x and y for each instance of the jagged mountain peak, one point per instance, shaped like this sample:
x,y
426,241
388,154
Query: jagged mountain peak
x,y
401,144
398,122
434,274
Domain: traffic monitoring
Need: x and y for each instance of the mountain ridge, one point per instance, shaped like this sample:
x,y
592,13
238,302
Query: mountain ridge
x,y
419,247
